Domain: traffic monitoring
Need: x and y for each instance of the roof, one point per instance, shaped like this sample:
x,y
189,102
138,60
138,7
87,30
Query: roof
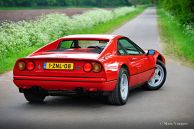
x,y
93,36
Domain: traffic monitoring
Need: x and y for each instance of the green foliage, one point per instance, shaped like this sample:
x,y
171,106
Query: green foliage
x,y
178,39
21,38
183,10
136,2
177,27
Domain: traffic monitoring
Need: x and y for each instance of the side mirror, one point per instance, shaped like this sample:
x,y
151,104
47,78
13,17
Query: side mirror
x,y
151,52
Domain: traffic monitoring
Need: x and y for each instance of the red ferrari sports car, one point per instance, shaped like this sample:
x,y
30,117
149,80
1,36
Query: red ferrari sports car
x,y
107,64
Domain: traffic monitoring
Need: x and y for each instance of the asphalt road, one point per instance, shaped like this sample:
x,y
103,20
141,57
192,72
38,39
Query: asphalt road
x,y
170,107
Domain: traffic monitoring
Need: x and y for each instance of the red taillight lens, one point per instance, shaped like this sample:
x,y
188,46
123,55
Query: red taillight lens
x,y
97,67
30,66
87,67
21,65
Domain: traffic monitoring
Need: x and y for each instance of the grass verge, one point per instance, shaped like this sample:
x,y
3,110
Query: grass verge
x,y
178,40
8,62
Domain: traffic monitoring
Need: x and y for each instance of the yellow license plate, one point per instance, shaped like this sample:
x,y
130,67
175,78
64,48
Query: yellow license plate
x,y
63,66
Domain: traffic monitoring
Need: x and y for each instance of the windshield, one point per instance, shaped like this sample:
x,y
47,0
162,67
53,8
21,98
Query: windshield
x,y
94,46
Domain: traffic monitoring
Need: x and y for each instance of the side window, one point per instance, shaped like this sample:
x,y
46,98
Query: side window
x,y
128,47
121,51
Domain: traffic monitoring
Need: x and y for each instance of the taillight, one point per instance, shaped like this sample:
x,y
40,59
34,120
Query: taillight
x,y
30,66
88,67
97,67
21,65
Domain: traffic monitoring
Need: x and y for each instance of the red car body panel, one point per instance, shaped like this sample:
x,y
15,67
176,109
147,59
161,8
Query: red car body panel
x,y
140,67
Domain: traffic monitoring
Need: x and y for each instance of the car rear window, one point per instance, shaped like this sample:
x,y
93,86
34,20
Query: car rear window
x,y
95,46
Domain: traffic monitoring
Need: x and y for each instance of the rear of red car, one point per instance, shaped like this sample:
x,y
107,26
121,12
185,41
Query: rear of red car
x,y
60,74
69,65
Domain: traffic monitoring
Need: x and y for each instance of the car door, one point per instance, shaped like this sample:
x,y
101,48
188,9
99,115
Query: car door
x,y
136,59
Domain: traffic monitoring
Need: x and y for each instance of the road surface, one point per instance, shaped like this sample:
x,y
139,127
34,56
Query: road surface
x,y
171,106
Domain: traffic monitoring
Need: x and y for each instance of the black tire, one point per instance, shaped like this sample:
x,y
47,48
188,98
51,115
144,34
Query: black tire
x,y
147,86
115,97
34,97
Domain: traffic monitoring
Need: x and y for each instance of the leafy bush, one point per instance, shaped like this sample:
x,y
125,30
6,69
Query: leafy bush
x,y
179,38
122,11
182,9
177,23
15,37
90,18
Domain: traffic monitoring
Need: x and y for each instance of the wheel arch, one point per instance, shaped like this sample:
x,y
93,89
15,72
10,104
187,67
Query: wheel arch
x,y
159,56
123,65
126,67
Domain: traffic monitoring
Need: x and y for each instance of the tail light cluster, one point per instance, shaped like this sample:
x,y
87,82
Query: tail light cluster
x,y
95,67
88,67
21,65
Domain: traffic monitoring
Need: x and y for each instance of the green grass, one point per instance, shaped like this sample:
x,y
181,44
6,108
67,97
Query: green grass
x,y
9,61
178,41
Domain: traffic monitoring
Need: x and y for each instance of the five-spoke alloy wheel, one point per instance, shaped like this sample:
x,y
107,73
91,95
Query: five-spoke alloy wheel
x,y
159,77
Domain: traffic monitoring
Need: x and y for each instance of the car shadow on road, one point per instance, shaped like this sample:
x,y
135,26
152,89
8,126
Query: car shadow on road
x,y
82,101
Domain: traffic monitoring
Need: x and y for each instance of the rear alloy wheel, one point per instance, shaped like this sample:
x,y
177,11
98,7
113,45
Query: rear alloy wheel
x,y
159,77
120,94
34,97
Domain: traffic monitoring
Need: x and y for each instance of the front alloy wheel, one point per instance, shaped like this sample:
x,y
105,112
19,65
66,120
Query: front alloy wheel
x,y
159,77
